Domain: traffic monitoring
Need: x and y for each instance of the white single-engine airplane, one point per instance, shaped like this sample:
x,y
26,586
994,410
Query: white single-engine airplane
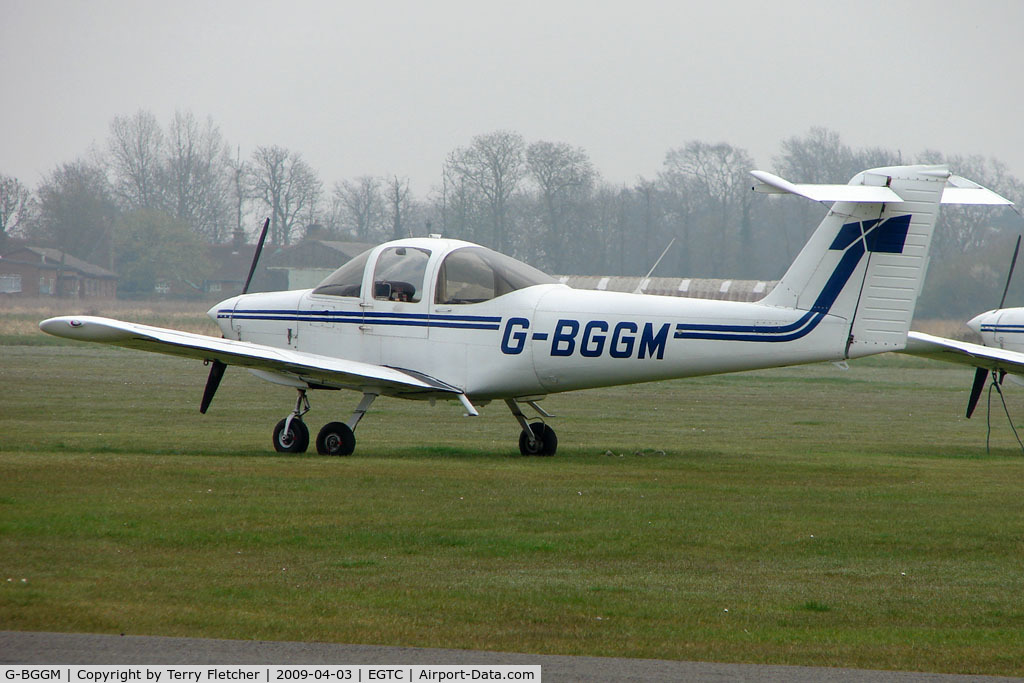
x,y
1001,351
437,318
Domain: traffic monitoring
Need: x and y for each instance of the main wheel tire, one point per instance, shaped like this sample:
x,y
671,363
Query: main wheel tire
x,y
295,440
546,442
336,438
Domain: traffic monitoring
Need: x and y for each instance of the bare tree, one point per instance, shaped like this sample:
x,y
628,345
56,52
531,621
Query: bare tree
x,y
16,206
817,157
565,178
287,186
492,165
681,205
198,176
238,172
609,233
459,205
399,200
137,156
718,175
362,206
968,229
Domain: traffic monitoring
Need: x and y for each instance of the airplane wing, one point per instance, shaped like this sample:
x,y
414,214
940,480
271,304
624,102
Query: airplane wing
x,y
311,368
965,353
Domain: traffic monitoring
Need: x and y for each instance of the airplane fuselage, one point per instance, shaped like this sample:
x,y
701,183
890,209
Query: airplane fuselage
x,y
541,339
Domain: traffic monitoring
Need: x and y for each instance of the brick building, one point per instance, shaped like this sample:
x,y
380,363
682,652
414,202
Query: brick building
x,y
38,271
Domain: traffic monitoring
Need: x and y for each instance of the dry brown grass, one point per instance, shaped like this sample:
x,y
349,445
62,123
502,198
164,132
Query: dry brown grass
x,y
20,317
951,329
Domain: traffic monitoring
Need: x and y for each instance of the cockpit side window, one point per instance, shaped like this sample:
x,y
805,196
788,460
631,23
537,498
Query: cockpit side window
x,y
347,280
400,274
465,278
472,275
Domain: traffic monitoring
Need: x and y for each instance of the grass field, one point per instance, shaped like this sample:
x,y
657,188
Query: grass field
x,y
796,516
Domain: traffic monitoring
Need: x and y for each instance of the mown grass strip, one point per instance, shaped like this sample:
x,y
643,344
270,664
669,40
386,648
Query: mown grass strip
x,y
795,516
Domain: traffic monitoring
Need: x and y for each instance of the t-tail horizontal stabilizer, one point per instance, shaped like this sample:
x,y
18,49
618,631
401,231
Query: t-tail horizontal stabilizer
x,y
876,189
866,261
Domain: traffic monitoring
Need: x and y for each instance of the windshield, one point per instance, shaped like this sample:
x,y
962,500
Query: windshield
x,y
474,274
400,274
347,280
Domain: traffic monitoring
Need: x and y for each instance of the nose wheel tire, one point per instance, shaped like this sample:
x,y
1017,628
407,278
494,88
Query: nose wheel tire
x,y
294,440
545,441
336,438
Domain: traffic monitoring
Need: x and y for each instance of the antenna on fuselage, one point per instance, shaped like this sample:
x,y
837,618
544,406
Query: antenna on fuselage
x,y
640,287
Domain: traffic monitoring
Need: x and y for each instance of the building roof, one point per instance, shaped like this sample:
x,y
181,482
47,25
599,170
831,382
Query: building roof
x,y
52,257
316,254
230,262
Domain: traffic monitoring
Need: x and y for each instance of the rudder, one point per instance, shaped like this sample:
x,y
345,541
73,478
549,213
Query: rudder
x,y
866,261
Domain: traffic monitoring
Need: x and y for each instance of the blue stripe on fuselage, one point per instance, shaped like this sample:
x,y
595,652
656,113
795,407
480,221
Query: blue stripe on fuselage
x,y
1010,329
462,322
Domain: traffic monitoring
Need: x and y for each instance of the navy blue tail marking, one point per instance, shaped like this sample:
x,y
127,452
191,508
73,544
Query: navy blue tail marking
x,y
885,237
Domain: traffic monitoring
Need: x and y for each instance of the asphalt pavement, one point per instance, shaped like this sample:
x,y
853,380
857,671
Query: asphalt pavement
x,y
90,649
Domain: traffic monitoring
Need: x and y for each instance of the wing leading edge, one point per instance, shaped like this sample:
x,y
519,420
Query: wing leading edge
x,y
310,368
965,353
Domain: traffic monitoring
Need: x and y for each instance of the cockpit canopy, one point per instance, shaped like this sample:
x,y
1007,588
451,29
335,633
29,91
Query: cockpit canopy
x,y
467,275
474,274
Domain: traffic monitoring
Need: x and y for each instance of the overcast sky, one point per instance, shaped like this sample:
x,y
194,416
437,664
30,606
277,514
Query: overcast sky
x,y
391,87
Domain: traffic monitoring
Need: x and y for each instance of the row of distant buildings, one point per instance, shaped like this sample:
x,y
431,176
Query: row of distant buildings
x,y
28,271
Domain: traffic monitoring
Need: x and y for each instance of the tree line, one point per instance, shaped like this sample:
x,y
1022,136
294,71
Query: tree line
x,y
147,201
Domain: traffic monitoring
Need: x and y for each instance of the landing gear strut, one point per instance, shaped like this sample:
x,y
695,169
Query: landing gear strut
x,y
339,438
291,434
537,438
335,438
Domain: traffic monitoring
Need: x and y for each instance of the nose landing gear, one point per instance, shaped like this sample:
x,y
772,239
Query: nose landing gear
x,y
291,434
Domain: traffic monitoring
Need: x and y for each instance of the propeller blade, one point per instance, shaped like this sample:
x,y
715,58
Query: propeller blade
x,y
256,256
217,368
212,382
980,375
1013,262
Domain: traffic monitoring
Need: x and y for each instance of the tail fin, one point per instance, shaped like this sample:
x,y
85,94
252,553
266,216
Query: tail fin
x,y
867,260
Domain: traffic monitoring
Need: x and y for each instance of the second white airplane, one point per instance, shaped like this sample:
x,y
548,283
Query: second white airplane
x,y
437,318
1001,351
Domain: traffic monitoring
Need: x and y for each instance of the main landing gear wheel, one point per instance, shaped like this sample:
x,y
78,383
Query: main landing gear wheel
x,y
544,440
294,440
336,438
